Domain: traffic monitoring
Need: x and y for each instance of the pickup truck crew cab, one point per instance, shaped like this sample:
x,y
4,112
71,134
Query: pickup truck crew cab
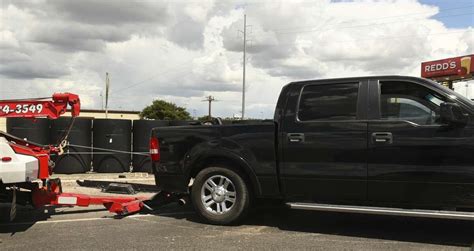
x,y
384,145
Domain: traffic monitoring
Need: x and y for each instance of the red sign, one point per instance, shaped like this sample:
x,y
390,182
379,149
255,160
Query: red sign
x,y
458,66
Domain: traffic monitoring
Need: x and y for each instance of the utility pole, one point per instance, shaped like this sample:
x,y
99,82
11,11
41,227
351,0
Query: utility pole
x,y
101,101
467,90
210,99
107,86
244,64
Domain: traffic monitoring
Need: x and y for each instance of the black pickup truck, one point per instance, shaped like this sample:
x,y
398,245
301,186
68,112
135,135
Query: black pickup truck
x,y
383,145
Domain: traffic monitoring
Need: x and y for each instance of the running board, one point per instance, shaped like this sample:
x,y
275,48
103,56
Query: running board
x,y
454,215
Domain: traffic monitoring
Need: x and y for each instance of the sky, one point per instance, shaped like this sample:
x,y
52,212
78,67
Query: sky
x,y
453,13
182,51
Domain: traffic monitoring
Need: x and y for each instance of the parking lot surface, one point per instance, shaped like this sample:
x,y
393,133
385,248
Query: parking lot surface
x,y
269,227
176,227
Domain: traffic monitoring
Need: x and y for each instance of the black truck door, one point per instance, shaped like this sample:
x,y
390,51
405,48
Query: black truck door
x,y
323,139
414,158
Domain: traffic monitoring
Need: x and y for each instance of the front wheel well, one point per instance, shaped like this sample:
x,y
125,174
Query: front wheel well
x,y
226,163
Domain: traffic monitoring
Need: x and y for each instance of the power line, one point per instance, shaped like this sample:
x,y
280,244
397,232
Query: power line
x,y
167,78
395,37
365,25
375,18
370,39
167,71
153,96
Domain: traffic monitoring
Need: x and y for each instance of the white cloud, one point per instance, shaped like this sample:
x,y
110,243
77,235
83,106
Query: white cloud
x,y
184,50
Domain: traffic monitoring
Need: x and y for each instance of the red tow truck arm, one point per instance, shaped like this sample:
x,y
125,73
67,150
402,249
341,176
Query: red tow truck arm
x,y
50,108
50,194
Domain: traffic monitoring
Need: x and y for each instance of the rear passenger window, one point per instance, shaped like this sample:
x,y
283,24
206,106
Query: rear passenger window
x,y
328,102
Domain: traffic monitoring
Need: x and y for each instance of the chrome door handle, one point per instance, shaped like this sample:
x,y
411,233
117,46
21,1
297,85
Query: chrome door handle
x,y
295,137
382,138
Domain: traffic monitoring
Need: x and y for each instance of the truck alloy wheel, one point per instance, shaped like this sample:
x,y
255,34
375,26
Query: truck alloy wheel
x,y
220,195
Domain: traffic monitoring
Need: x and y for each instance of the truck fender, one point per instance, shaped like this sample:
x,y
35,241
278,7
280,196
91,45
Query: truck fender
x,y
194,165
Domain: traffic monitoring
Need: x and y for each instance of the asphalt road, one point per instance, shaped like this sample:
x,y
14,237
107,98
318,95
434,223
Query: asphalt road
x,y
175,227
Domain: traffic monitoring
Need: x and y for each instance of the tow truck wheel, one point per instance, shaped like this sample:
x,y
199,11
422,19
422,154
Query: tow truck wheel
x,y
220,195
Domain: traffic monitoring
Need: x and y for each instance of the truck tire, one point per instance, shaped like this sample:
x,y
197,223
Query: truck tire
x,y
220,195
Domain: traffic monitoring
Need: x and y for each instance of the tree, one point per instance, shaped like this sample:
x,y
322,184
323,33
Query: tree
x,y
203,118
163,110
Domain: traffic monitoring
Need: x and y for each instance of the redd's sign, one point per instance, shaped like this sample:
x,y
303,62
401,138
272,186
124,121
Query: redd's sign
x,y
459,66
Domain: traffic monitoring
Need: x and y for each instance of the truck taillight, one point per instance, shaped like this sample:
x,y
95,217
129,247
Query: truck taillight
x,y
154,149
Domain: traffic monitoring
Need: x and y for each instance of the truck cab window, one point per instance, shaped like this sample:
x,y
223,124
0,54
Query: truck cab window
x,y
409,101
328,102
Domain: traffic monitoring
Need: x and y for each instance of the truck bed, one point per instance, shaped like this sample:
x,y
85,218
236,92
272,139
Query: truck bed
x,y
186,147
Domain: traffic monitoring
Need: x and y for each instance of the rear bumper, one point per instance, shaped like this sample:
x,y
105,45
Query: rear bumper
x,y
172,183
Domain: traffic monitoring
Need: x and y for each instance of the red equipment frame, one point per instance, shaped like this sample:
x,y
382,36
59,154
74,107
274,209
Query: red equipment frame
x,y
50,193
41,107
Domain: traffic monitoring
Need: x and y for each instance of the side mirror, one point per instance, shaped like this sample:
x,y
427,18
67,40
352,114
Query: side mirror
x,y
451,113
